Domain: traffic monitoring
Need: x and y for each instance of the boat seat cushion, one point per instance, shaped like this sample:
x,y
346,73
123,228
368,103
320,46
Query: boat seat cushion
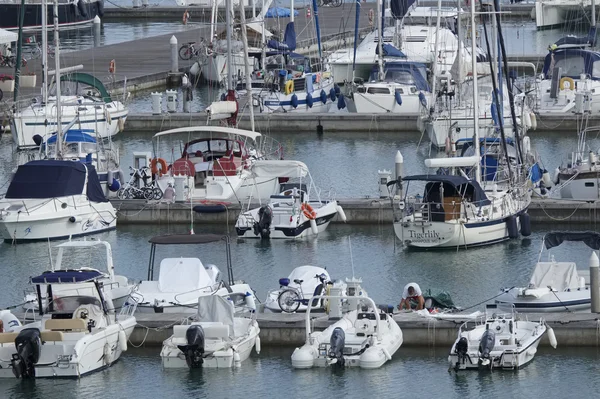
x,y
49,336
212,330
66,325
8,337
179,275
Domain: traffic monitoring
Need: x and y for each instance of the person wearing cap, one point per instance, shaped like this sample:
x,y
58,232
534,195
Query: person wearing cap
x,y
412,298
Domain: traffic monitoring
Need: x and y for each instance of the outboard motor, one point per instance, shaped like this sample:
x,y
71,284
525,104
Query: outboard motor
x,y
194,350
29,347
461,349
488,340
336,347
263,226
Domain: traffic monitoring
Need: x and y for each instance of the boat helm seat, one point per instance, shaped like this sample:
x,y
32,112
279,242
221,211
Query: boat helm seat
x,y
298,281
66,325
212,330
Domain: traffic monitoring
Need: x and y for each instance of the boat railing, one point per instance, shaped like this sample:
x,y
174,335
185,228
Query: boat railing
x,y
430,211
213,288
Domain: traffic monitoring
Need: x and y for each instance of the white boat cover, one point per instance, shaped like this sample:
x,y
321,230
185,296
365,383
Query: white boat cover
x,y
558,275
180,275
7,37
279,168
216,309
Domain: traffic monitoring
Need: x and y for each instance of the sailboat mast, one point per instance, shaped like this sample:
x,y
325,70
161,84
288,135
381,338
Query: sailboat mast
x,y
435,50
475,92
229,28
57,79
44,52
460,48
380,39
593,12
247,71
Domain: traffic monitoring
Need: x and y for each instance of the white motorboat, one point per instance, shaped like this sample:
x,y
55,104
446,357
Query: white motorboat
x,y
75,336
217,340
53,199
361,336
497,341
85,104
86,255
290,214
220,164
555,286
296,291
181,281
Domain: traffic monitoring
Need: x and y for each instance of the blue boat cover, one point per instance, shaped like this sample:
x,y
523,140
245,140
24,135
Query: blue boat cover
x,y
460,184
94,189
289,40
66,276
573,62
390,51
576,41
279,12
400,7
589,238
75,136
47,179
408,73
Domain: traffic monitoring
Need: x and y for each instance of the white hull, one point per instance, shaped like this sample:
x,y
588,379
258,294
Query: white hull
x,y
31,121
25,220
87,352
439,128
576,300
551,13
214,68
583,187
366,103
281,102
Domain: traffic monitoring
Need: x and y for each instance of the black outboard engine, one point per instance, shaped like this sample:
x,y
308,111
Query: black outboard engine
x,y
263,226
488,340
336,346
37,139
29,347
194,350
461,349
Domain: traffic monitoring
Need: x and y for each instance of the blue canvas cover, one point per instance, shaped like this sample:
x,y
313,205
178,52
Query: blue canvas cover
x,y
579,60
461,184
400,7
94,189
47,179
289,40
576,41
66,276
75,136
408,72
589,238
390,51
279,12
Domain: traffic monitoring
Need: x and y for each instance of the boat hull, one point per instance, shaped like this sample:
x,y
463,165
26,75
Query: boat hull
x,y
566,301
69,15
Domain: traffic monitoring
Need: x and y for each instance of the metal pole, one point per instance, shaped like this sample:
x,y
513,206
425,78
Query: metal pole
x,y
44,52
380,40
229,27
457,79
19,52
57,77
594,281
475,91
247,63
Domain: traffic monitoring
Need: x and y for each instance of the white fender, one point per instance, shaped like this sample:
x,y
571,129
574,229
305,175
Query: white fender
x,y
546,179
257,345
386,353
552,337
108,354
123,341
533,121
236,359
527,119
250,301
341,213
556,176
526,145
313,226
9,320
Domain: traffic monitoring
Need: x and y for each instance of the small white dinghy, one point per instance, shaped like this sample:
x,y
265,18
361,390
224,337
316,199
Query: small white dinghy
x,y
499,341
555,286
76,335
217,340
362,337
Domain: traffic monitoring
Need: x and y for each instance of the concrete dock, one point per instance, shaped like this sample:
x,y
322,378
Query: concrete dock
x,y
358,211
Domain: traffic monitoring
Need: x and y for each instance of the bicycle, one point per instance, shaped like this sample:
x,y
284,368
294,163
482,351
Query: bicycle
x,y
188,50
290,298
35,51
131,190
11,60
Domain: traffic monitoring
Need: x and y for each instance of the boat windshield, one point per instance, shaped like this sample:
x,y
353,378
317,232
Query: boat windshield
x,y
68,304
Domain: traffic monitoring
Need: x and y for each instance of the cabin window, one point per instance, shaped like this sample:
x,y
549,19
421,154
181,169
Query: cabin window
x,y
378,90
596,69
589,184
571,66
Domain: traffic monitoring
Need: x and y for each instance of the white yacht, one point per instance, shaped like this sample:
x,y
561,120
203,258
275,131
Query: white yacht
x,y
181,281
218,339
75,335
52,199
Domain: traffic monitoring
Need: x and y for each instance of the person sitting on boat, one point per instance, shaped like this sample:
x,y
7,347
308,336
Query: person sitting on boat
x,y
412,298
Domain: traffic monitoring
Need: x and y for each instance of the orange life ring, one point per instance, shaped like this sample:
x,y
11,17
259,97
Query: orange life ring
x,y
154,166
112,66
308,211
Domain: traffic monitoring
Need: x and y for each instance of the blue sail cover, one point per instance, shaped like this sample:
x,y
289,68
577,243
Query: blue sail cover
x,y
66,276
47,179
400,7
75,136
589,238
94,189
573,62
390,51
289,40
412,73
576,41
279,12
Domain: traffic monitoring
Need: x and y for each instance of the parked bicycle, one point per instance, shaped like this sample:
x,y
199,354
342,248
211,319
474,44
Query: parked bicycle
x,y
11,60
189,50
131,189
290,298
35,51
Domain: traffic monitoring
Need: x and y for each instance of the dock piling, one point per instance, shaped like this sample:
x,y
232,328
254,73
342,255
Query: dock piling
x,y
174,55
594,287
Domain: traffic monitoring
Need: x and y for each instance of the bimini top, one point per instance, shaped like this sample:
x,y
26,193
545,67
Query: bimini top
x,y
573,62
55,178
187,239
75,136
589,238
211,129
67,276
403,72
85,79
461,184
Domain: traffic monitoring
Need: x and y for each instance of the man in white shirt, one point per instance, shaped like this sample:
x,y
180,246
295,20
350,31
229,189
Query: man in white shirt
x,y
412,297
